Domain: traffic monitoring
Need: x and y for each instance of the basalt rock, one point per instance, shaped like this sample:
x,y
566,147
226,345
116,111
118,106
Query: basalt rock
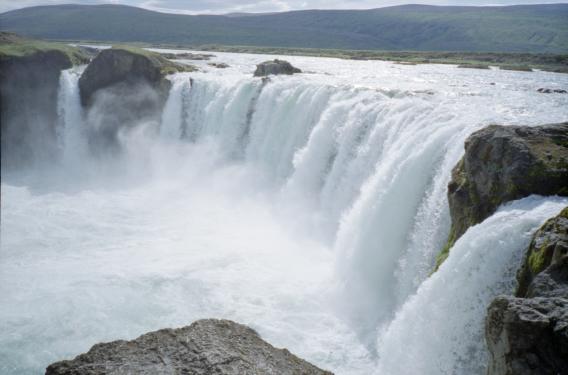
x,y
505,163
544,272
529,334
275,67
205,347
29,80
121,89
128,66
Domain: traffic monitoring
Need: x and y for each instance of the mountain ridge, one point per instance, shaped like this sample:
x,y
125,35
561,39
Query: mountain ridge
x,y
413,27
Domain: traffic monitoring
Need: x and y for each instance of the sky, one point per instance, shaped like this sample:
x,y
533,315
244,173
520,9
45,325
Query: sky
x,y
256,6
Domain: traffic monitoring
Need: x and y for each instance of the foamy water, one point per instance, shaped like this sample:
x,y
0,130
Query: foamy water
x,y
310,207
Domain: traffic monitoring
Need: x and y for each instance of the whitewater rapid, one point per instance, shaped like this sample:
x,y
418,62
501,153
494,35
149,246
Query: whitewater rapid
x,y
310,207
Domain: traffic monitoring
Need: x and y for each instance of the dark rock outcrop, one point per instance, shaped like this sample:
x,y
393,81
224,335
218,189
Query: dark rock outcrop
x,y
275,67
29,81
122,88
544,272
205,347
505,163
529,334
126,66
551,91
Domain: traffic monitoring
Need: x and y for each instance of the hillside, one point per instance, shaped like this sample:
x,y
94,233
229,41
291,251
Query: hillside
x,y
523,28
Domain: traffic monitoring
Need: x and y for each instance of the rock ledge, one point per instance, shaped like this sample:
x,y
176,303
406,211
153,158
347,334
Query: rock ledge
x,y
205,347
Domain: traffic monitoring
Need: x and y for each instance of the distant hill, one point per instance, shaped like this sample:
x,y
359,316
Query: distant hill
x,y
521,28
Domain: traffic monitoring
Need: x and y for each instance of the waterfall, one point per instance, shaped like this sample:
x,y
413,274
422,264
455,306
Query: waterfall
x,y
70,128
360,173
439,330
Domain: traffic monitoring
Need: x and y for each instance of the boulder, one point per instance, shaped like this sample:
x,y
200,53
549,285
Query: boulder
x,y
275,67
501,164
122,88
527,336
129,66
205,347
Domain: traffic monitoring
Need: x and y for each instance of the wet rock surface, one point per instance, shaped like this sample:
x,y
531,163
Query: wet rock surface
x,y
505,163
275,67
205,347
528,334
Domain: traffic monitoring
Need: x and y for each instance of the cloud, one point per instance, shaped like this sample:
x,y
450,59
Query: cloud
x,y
254,6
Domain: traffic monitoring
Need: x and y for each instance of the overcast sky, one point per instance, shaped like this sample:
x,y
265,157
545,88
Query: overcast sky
x,y
228,6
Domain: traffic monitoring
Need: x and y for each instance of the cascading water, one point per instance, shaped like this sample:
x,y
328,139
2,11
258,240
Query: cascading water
x,y
310,207
70,129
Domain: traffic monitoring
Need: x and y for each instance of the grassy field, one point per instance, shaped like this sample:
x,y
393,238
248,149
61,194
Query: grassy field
x,y
12,45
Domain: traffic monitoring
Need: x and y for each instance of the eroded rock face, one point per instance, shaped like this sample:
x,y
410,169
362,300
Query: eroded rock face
x,y
122,89
114,66
28,100
544,272
505,163
205,347
275,67
529,334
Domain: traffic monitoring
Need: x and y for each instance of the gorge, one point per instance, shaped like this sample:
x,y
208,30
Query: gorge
x,y
310,207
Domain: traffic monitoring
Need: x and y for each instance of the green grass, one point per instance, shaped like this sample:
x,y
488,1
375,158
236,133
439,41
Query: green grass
x,y
12,45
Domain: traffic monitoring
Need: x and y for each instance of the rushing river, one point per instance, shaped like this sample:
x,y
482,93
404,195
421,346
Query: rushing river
x,y
309,207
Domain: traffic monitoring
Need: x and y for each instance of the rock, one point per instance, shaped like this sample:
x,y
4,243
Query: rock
x,y
127,66
219,65
501,164
275,67
187,56
552,91
527,336
29,81
121,89
544,272
474,66
205,347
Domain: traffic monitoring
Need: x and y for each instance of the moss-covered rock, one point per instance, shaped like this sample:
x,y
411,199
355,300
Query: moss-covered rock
x,y
545,267
127,65
501,164
29,80
529,334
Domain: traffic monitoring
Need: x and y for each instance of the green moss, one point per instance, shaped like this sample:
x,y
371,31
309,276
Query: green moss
x,y
445,252
537,260
166,66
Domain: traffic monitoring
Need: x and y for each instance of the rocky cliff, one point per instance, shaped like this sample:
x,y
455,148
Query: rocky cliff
x,y
205,347
29,80
501,164
528,334
123,87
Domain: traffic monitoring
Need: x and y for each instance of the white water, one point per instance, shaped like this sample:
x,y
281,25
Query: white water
x,y
310,207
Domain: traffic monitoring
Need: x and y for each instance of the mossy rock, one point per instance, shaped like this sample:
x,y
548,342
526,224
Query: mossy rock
x,y
127,65
501,164
548,246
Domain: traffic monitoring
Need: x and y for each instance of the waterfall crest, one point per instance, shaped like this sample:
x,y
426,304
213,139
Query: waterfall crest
x,y
309,207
